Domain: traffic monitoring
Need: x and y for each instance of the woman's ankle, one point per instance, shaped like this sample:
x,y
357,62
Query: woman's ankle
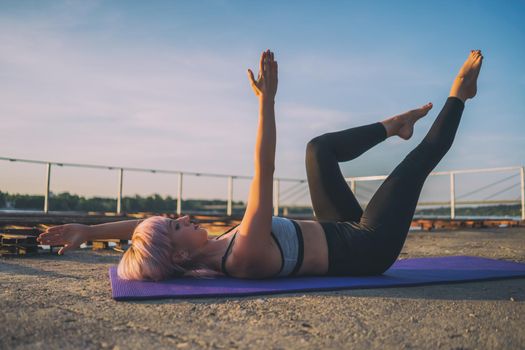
x,y
459,97
391,127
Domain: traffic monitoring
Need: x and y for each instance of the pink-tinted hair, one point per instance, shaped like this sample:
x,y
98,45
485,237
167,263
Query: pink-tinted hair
x,y
150,256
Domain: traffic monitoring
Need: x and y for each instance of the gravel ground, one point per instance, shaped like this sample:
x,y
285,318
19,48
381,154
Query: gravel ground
x,y
53,302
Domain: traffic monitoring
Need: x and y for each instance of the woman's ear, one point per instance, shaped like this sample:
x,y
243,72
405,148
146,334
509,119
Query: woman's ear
x,y
180,256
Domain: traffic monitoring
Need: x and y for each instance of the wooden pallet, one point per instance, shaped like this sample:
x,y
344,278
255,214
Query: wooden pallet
x,y
120,244
13,245
430,224
215,224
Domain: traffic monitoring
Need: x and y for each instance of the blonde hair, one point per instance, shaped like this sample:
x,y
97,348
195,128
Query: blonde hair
x,y
150,256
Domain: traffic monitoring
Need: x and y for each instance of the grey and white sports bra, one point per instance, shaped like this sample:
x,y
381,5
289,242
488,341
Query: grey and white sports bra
x,y
289,238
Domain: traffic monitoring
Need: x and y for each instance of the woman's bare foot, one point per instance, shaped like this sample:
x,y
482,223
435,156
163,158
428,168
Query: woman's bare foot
x,y
403,124
464,86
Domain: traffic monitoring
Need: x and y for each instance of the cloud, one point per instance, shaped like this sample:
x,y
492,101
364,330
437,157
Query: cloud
x,y
78,86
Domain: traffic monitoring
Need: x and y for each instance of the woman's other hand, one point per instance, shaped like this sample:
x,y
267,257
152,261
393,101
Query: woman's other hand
x,y
265,87
71,236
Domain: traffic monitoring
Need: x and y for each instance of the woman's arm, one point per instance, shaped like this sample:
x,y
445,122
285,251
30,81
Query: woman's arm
x,y
71,236
113,230
256,224
265,89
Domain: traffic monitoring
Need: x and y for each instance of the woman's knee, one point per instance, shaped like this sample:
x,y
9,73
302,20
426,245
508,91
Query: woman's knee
x,y
313,147
315,142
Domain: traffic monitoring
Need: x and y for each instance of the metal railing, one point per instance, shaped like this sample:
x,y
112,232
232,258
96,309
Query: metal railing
x,y
453,202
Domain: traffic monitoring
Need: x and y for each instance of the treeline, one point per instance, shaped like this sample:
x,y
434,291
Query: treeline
x,y
156,203
493,210
72,202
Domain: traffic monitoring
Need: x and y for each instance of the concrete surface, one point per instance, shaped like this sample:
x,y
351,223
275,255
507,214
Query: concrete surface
x,y
52,302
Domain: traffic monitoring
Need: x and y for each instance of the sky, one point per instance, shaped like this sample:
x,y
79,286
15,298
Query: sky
x,y
163,85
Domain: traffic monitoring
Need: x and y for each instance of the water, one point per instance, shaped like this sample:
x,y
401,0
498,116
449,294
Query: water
x,y
469,217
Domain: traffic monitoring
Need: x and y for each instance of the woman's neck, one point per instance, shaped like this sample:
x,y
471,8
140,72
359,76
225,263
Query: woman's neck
x,y
211,254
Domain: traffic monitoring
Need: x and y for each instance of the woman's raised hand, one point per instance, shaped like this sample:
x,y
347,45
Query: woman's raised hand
x,y
71,236
265,87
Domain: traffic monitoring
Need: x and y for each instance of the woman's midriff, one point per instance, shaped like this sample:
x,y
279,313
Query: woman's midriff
x,y
315,261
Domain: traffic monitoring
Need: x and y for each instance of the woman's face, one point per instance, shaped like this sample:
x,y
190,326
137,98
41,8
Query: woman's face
x,y
186,234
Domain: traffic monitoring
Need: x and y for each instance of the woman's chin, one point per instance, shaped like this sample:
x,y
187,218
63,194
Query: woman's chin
x,y
204,233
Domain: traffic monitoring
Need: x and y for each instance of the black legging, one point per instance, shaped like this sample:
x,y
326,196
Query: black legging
x,y
374,238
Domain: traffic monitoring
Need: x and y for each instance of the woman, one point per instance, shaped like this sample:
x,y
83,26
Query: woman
x,y
343,240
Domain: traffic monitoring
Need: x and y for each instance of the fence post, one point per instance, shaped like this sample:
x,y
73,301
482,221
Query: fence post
x,y
452,196
276,198
48,180
522,175
119,199
230,196
353,186
179,195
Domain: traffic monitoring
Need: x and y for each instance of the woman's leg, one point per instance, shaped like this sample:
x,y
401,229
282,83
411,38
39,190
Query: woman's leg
x,y
390,211
331,197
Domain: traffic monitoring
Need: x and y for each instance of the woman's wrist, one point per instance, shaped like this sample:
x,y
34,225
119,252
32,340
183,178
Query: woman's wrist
x,y
267,101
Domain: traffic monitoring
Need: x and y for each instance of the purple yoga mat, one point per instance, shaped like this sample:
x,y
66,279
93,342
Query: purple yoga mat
x,y
407,272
